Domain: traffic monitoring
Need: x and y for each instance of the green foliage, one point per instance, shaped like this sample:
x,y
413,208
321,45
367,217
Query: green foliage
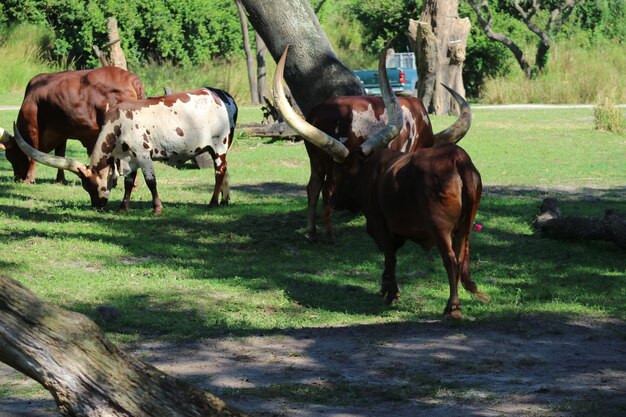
x,y
606,18
608,117
345,33
382,20
179,31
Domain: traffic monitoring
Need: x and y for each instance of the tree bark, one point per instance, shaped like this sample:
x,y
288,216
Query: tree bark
x,y
116,57
254,95
313,71
261,68
550,223
439,40
86,374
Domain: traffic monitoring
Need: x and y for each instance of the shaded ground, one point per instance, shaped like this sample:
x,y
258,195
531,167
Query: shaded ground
x,y
528,367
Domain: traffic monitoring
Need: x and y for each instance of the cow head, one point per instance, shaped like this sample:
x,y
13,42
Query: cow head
x,y
346,172
19,161
97,179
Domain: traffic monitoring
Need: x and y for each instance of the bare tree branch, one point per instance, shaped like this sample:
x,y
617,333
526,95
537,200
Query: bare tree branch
x,y
485,24
557,16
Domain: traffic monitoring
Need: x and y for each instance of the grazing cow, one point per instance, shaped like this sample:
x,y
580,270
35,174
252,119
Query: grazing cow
x,y
63,105
351,119
174,127
429,196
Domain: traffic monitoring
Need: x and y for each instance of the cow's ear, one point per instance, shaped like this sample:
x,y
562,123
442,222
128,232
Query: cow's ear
x,y
84,172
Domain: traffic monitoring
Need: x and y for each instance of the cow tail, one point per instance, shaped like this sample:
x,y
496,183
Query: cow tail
x,y
471,193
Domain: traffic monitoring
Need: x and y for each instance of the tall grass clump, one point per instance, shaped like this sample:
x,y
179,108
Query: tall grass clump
x,y
227,74
608,117
574,74
23,50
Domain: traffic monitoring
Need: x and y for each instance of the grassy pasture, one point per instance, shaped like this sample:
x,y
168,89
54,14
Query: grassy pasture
x,y
245,268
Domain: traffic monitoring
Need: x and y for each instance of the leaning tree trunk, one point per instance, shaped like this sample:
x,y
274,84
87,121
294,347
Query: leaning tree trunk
x,y
254,96
86,374
439,40
313,71
261,68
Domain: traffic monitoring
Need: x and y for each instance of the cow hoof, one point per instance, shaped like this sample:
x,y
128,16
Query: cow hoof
x,y
310,237
224,203
390,297
157,211
453,312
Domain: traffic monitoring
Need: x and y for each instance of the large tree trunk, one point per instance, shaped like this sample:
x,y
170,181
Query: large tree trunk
x,y
86,374
254,96
439,40
313,71
117,57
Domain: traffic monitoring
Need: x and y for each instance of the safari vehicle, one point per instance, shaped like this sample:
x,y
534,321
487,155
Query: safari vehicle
x,y
401,71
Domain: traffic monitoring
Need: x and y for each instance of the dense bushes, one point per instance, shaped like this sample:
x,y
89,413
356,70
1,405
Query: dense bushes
x,y
180,31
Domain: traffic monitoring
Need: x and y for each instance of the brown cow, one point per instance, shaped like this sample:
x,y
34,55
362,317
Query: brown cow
x,y
429,196
351,119
63,105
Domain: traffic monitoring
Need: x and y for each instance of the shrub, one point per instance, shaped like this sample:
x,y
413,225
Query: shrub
x,y
608,117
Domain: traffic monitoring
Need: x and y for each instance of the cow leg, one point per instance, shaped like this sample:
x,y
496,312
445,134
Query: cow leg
x,y
60,151
157,207
313,189
389,286
389,244
220,176
129,186
327,190
147,167
450,262
225,189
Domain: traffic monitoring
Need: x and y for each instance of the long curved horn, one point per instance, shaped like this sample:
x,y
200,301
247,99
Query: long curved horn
x,y
44,158
459,128
394,113
309,132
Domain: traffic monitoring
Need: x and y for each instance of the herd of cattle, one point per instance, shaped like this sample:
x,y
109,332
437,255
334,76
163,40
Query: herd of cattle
x,y
375,155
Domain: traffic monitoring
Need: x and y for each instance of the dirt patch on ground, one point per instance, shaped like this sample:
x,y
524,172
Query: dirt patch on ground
x,y
528,367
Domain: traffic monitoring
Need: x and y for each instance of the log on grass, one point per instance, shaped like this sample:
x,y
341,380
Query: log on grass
x,y
551,223
86,374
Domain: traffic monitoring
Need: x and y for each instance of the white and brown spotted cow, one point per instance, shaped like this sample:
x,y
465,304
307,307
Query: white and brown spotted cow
x,y
174,127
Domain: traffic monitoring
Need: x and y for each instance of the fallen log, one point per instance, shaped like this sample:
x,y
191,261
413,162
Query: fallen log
x,y
550,223
264,130
86,374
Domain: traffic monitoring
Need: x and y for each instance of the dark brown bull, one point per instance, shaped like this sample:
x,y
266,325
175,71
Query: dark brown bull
x,y
63,105
429,196
351,119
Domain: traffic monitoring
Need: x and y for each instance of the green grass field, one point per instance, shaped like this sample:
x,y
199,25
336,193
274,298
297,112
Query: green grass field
x,y
245,268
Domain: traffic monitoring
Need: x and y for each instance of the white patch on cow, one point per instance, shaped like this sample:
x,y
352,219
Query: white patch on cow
x,y
411,135
364,123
